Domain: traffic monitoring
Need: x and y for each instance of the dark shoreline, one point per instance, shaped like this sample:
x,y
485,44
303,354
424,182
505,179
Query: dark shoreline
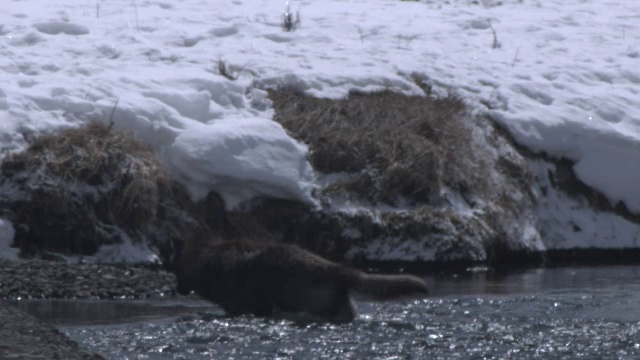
x,y
513,262
22,336
38,279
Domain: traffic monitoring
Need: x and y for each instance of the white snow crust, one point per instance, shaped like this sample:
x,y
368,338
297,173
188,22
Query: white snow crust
x,y
563,76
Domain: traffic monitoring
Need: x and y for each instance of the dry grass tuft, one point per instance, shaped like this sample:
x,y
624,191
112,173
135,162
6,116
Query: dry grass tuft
x,y
288,22
395,145
80,188
97,155
226,70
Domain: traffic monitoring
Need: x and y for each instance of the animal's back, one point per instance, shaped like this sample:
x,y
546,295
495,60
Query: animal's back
x,y
263,278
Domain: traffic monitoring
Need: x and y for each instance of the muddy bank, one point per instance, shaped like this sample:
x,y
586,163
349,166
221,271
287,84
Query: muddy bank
x,y
24,337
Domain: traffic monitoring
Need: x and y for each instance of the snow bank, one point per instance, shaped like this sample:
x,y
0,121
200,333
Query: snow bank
x,y
566,222
242,158
561,75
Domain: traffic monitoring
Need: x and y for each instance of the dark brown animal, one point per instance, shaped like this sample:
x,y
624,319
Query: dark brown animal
x,y
265,278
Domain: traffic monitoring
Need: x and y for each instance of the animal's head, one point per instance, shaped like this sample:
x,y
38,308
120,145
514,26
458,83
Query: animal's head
x,y
185,270
184,287
183,267
191,265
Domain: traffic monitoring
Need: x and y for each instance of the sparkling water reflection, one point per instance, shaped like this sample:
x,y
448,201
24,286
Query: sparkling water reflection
x,y
568,313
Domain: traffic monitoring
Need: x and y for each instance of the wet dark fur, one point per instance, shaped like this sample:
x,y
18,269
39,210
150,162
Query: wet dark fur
x,y
264,279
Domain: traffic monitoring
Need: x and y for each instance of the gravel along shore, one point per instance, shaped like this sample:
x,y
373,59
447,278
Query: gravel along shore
x,y
40,279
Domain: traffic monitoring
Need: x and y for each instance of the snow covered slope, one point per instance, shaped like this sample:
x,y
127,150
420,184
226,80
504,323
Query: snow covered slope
x,y
562,75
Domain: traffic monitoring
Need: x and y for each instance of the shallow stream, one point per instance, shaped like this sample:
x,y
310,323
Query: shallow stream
x,y
553,313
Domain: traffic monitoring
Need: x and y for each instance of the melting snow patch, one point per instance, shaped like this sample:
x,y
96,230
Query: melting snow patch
x,y
30,39
127,253
55,27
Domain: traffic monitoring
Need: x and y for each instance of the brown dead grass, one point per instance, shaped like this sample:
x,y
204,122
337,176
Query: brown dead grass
x,y
396,145
97,155
80,188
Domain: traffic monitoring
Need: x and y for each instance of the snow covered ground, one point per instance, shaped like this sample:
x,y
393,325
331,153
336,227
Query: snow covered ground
x,y
562,75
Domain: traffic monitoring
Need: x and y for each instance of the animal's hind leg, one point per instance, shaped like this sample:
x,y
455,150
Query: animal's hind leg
x,y
328,300
343,309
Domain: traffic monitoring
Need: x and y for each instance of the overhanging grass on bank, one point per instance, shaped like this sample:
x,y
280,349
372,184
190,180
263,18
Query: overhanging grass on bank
x,y
394,145
95,155
78,189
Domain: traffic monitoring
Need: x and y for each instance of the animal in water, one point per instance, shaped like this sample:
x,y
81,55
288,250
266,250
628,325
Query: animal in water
x,y
268,278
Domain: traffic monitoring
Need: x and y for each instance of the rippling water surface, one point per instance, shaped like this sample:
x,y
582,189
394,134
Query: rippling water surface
x,y
563,313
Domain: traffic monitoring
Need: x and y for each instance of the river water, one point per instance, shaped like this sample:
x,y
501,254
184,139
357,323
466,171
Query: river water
x,y
553,313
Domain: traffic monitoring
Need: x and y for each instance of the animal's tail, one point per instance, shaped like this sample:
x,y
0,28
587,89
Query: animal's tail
x,y
387,287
